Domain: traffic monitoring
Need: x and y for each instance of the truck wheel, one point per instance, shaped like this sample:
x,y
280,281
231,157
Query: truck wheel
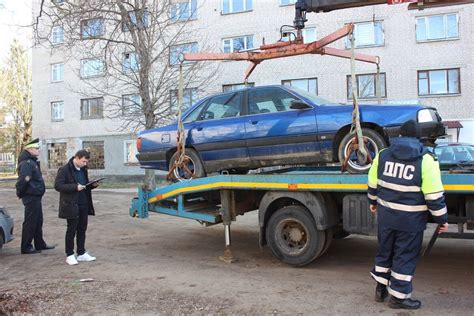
x,y
292,236
374,144
193,163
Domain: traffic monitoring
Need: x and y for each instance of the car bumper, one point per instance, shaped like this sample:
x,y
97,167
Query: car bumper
x,y
9,235
153,160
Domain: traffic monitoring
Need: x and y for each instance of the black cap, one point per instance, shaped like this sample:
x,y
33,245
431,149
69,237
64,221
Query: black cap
x,y
33,144
410,129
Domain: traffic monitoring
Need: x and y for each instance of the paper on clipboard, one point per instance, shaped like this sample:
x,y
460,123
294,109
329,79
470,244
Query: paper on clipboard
x,y
94,181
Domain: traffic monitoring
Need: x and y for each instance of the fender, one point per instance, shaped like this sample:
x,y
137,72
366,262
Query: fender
x,y
321,206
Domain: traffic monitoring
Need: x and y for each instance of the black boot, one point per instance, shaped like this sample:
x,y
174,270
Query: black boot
x,y
380,292
406,303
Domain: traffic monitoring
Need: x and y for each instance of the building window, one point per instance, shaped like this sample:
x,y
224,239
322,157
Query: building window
x,y
130,152
96,150
367,34
235,44
57,35
189,97
130,62
309,35
92,67
236,86
57,155
57,72
441,81
234,6
184,11
92,28
287,2
310,84
176,50
142,22
92,108
131,104
437,27
57,111
366,86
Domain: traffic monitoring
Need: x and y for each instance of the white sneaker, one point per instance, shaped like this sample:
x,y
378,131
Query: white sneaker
x,y
71,260
85,257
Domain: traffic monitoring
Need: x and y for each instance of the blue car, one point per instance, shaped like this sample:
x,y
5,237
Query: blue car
x,y
275,125
6,227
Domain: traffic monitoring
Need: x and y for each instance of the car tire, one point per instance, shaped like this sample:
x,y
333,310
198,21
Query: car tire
x,y
2,240
375,143
307,242
194,164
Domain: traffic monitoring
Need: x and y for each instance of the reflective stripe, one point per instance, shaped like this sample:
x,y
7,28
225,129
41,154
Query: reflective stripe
x,y
372,197
402,207
439,212
398,294
401,277
371,185
381,269
379,279
433,196
399,187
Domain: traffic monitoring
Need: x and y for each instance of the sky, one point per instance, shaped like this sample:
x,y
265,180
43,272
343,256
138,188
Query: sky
x,y
13,15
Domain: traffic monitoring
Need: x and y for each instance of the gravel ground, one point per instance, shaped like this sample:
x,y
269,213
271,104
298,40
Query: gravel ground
x,y
168,265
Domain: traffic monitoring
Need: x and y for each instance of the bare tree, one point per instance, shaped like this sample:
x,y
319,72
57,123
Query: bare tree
x,y
128,52
15,94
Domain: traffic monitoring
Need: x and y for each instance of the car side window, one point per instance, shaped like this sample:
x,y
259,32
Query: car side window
x,y
222,106
269,100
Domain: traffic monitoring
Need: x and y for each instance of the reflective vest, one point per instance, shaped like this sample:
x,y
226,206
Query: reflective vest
x,y
405,183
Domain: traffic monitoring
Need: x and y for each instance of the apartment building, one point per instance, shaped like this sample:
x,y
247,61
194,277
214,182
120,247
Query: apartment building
x,y
425,57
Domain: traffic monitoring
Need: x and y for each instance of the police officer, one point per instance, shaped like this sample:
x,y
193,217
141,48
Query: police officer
x,y
404,188
30,188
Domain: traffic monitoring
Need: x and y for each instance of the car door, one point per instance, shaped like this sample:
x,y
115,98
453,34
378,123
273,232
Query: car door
x,y
277,134
218,133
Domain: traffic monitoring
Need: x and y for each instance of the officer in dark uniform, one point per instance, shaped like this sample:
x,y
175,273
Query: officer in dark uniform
x,y
30,188
404,188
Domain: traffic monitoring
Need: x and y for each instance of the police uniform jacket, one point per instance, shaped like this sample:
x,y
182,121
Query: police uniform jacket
x,y
30,182
66,184
405,184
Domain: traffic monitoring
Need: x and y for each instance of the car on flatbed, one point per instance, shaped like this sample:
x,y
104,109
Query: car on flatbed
x,y
276,125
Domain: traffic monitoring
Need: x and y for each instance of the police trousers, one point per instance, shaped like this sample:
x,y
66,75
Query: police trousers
x,y
395,263
32,223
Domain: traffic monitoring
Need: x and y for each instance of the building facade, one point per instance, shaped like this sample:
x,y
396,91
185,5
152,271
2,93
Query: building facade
x,y
425,57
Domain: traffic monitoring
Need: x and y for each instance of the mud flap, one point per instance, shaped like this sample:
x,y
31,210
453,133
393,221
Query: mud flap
x,y
356,216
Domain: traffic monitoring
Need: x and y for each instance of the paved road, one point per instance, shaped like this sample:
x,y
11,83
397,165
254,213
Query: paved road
x,y
170,265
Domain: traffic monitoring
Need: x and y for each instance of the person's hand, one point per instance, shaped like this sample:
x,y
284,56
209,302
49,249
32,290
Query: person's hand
x,y
373,209
443,228
80,187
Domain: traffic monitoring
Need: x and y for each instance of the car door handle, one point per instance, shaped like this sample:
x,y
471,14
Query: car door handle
x,y
253,122
199,128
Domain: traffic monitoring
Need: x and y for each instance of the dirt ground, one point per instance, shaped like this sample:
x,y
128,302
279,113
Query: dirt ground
x,y
168,265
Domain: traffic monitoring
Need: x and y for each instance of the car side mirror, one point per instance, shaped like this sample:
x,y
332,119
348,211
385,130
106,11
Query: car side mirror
x,y
299,105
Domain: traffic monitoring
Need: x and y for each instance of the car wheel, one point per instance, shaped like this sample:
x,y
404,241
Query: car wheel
x,y
2,239
194,166
292,236
375,143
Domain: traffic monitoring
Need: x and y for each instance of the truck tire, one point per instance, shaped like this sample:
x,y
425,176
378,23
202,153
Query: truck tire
x,y
374,145
194,164
292,236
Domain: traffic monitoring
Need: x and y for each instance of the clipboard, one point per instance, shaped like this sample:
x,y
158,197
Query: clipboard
x,y
94,181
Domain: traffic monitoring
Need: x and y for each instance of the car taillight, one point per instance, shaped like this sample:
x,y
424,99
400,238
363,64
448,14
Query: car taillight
x,y
139,144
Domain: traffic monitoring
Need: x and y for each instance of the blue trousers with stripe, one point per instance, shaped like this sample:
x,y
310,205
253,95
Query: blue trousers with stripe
x,y
396,259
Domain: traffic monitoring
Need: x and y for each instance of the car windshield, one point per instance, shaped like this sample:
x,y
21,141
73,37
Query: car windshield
x,y
310,96
455,154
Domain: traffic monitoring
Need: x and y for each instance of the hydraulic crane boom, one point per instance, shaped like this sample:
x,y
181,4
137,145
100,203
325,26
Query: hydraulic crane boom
x,y
303,6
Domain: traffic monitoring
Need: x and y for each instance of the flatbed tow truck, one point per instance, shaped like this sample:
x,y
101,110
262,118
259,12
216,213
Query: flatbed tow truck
x,y
300,209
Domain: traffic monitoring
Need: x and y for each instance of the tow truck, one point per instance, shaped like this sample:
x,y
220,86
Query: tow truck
x,y
300,209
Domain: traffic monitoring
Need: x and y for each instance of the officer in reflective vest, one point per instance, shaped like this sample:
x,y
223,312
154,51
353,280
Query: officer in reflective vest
x,y
404,188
